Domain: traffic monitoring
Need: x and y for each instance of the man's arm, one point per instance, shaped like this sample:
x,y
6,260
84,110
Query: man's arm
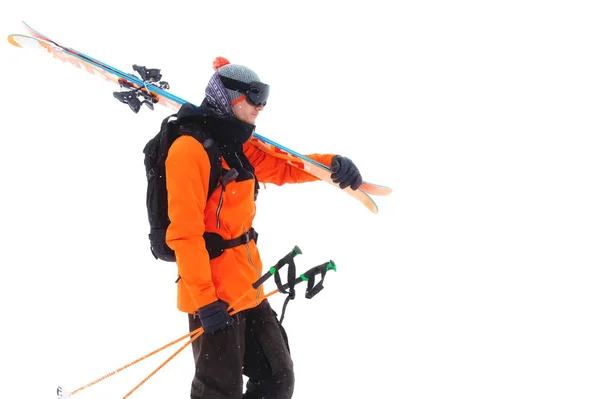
x,y
270,169
187,177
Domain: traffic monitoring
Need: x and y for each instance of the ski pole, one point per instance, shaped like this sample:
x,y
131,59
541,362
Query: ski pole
x,y
308,276
61,393
287,259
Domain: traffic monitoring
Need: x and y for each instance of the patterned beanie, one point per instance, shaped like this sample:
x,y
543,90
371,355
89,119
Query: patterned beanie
x,y
220,98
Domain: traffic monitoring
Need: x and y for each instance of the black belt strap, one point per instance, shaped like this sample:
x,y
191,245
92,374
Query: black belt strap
x,y
241,240
215,244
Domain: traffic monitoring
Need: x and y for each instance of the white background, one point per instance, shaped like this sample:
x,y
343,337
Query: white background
x,y
478,278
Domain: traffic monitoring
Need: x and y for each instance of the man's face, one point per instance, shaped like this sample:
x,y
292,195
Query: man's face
x,y
247,112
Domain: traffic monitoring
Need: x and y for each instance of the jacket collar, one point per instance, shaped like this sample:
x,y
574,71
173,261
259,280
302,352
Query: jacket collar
x,y
224,131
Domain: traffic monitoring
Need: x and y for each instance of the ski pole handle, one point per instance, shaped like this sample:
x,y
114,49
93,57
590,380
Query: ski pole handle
x,y
312,272
282,262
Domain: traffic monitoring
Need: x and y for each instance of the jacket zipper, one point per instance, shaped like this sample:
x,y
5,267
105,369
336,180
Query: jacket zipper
x,y
230,176
219,207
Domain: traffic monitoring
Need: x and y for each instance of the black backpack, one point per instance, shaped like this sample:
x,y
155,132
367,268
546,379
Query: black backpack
x,y
155,155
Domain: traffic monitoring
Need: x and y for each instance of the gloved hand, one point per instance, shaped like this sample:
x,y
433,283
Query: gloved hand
x,y
345,173
214,316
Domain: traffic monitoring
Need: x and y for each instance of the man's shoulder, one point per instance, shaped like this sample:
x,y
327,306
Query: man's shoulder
x,y
186,145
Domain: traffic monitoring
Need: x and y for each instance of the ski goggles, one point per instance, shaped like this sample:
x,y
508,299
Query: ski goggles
x,y
256,93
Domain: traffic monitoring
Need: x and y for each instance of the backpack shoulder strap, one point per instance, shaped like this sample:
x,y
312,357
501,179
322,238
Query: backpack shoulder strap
x,y
216,166
213,152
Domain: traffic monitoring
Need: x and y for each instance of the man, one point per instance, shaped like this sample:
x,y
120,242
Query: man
x,y
215,244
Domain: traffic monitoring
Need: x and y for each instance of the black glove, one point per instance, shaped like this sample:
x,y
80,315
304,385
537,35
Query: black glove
x,y
214,316
345,173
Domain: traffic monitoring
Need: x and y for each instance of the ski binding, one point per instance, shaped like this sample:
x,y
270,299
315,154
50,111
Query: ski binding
x,y
135,97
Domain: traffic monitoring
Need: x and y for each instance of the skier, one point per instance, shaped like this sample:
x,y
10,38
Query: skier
x,y
251,342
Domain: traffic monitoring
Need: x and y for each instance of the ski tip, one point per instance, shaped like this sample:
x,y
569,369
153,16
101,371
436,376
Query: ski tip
x,y
366,200
12,40
374,208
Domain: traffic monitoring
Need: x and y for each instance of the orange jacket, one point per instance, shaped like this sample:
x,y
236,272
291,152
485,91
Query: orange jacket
x,y
228,212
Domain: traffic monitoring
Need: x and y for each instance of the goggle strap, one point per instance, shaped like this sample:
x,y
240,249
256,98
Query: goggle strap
x,y
239,99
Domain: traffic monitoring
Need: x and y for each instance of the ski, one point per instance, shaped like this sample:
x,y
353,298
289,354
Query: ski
x,y
148,90
272,147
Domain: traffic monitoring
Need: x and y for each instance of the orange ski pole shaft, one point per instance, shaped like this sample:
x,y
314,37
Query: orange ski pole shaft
x,y
130,364
196,335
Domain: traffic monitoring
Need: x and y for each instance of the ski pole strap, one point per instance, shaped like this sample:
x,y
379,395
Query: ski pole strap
x,y
309,277
286,260
291,281
290,285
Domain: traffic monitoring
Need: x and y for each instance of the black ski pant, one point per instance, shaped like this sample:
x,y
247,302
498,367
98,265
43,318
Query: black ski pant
x,y
256,346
